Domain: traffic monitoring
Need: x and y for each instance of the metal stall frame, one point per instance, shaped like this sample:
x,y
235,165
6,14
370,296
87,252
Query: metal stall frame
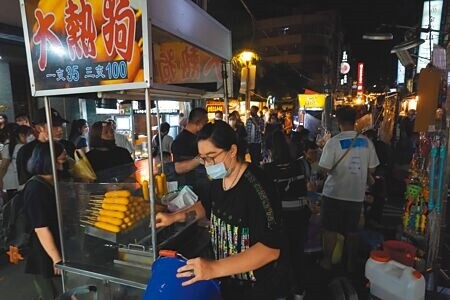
x,y
184,20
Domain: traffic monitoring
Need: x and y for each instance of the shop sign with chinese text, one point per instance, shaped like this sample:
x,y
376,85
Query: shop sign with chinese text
x,y
79,46
311,101
181,62
213,106
360,86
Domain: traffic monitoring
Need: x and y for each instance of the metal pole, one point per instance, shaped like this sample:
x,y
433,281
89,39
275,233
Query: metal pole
x,y
247,90
225,89
48,115
133,140
159,136
150,173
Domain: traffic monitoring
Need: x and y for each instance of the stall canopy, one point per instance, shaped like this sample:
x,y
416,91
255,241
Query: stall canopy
x,y
101,46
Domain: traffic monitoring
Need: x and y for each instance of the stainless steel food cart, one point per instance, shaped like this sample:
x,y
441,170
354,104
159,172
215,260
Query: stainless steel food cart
x,y
182,49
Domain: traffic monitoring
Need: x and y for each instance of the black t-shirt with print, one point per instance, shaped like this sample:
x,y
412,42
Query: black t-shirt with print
x,y
243,216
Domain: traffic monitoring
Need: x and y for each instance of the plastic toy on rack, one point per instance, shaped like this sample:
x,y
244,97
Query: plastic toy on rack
x,y
418,193
412,195
437,172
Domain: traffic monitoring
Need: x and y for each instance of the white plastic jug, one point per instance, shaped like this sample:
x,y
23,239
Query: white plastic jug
x,y
390,280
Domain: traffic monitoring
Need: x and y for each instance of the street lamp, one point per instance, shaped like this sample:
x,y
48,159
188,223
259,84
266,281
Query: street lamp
x,y
245,59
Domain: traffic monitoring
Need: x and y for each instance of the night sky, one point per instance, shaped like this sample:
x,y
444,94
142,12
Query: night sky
x,y
358,17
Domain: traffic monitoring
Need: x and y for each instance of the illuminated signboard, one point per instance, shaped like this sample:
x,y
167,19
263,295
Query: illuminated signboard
x,y
213,106
344,68
79,46
435,18
180,62
311,101
360,77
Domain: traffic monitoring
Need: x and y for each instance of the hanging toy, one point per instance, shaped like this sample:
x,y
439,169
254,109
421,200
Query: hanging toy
x,y
423,220
412,192
434,151
425,194
423,150
424,145
412,218
409,202
442,154
418,215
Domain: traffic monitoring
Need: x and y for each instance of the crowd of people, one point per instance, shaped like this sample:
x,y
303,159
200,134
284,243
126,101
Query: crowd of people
x,y
257,184
26,166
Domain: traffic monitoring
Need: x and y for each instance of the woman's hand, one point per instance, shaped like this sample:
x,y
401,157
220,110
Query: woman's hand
x,y
164,219
197,269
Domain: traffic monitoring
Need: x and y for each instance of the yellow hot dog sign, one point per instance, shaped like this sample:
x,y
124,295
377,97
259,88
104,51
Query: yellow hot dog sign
x,y
87,45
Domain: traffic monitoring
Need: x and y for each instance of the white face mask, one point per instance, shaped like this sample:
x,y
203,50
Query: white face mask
x,y
30,138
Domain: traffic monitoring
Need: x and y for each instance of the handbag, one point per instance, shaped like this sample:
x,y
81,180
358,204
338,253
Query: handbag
x,y
345,153
82,168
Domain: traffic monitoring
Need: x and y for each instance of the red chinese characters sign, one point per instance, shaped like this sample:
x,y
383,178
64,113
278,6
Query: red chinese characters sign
x,y
89,45
179,62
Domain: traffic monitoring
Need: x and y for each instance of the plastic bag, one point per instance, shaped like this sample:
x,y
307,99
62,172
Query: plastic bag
x,y
185,198
82,168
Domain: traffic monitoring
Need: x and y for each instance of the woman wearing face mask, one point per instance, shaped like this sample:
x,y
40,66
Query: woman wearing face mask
x,y
40,206
109,162
245,224
78,134
18,136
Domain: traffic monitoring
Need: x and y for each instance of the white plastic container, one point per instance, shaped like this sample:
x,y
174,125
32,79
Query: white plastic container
x,y
390,280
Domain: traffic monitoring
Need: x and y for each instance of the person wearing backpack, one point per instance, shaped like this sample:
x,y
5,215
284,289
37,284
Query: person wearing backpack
x,y
40,207
290,176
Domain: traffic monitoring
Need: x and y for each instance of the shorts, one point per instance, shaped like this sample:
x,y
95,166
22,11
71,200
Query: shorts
x,y
340,216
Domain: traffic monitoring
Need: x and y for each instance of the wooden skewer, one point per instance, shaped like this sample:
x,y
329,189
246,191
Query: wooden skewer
x,y
96,200
87,222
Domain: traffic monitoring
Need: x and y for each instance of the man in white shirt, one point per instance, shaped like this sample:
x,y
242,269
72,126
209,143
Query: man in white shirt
x,y
348,158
